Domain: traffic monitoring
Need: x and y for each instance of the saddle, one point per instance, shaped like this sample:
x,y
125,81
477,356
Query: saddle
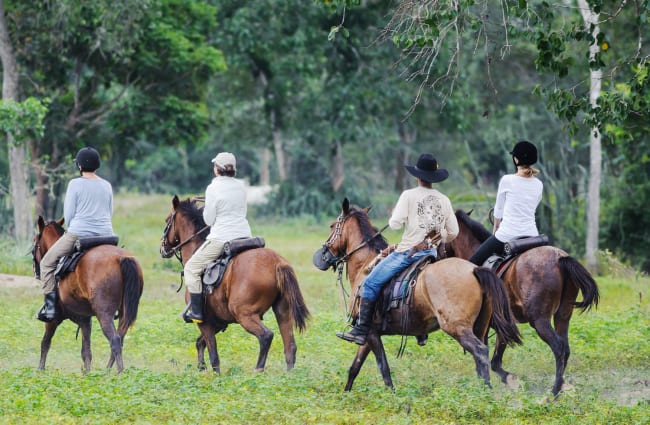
x,y
511,249
67,263
213,272
398,290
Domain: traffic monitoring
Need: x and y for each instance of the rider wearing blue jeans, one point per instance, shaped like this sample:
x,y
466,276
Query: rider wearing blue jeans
x,y
422,211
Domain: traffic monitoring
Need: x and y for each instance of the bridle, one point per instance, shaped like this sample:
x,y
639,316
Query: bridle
x,y
166,250
36,249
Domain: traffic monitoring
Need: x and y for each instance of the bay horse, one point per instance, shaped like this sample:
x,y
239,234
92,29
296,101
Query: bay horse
x,y
542,284
107,282
254,281
452,294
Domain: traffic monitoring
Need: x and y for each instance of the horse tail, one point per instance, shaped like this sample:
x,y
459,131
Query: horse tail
x,y
131,292
573,271
502,321
290,291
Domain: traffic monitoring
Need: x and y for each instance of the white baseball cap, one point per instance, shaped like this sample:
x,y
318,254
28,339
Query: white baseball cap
x,y
225,158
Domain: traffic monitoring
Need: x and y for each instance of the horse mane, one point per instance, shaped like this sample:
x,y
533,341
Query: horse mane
x,y
195,214
377,243
477,229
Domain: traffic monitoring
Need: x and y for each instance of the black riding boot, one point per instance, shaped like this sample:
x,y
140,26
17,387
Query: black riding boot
x,y
47,313
194,311
360,331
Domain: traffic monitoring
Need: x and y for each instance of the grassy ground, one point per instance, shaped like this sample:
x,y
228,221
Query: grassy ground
x,y
609,368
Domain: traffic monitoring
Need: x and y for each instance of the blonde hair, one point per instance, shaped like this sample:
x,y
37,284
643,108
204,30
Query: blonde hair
x,y
527,170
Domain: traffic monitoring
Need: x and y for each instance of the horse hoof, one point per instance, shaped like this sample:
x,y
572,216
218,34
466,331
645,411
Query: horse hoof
x,y
512,382
258,370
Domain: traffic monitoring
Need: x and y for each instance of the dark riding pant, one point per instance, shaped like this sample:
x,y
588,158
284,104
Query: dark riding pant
x,y
491,246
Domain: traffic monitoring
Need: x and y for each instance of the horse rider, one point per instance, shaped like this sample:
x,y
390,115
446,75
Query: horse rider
x,y
87,211
518,196
422,211
225,212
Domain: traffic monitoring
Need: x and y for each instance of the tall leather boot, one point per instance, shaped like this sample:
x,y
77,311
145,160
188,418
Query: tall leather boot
x,y
194,312
359,332
47,313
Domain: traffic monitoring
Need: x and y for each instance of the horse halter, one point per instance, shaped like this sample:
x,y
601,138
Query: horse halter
x,y
36,249
323,258
167,251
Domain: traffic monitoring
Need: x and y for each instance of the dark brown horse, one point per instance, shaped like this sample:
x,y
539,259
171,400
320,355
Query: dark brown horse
x,y
255,280
106,282
542,284
453,295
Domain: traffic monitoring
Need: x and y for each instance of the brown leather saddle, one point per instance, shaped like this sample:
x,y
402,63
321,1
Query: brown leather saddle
x,y
213,272
67,263
511,249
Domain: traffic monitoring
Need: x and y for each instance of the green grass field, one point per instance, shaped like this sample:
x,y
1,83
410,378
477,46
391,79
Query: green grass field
x,y
609,368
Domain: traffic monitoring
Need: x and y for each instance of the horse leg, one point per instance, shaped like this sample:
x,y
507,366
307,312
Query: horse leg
x,y
560,349
200,352
507,378
86,353
114,340
479,350
359,359
46,342
377,347
286,324
253,325
208,339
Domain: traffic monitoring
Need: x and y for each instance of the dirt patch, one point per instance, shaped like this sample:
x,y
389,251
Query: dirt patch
x,y
13,281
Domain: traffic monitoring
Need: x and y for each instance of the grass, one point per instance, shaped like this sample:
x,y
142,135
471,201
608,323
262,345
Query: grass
x,y
609,366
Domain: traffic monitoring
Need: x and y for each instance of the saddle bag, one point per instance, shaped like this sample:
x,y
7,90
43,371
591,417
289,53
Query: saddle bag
x,y
83,244
235,246
517,246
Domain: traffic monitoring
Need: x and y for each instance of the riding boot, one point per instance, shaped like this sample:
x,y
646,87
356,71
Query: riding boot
x,y
359,332
194,311
47,313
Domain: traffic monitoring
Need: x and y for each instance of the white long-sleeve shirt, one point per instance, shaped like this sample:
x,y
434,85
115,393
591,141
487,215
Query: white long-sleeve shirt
x,y
225,209
516,203
422,210
88,207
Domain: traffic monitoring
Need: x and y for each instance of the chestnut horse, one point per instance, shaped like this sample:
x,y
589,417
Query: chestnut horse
x,y
542,283
453,295
254,281
107,282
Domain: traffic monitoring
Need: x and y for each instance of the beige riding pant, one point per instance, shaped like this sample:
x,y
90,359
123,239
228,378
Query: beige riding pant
x,y
61,248
206,254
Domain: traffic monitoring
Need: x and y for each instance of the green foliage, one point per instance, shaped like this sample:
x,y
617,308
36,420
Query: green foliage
x,y
23,120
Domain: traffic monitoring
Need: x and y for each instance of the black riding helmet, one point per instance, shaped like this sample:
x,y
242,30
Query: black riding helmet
x,y
87,159
525,152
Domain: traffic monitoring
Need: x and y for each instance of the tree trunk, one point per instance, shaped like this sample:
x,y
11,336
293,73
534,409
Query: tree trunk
x,y
337,173
265,163
595,160
407,138
23,223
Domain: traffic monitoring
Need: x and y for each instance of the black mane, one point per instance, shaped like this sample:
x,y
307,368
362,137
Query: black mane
x,y
195,214
377,243
476,228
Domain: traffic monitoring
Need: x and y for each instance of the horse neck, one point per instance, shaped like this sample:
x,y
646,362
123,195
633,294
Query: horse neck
x,y
465,243
186,230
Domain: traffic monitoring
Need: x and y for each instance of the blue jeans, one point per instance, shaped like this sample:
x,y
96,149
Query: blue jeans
x,y
390,266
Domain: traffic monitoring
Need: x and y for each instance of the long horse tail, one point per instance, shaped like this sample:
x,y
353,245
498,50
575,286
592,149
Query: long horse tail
x,y
290,291
131,292
502,320
573,271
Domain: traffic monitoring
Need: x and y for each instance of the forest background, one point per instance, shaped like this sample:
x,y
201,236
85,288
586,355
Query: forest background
x,y
322,100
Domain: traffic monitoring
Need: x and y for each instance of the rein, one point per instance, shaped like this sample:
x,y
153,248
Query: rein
x,y
175,250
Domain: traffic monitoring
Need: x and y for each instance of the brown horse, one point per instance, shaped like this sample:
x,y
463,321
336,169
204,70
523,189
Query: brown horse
x,y
453,295
106,281
255,280
542,283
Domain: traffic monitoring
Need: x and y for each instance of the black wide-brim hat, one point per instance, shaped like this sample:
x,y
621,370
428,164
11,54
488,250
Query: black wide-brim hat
x,y
427,169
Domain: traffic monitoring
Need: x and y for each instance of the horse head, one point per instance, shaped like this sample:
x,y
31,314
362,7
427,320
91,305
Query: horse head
x,y
183,225
471,234
350,231
48,234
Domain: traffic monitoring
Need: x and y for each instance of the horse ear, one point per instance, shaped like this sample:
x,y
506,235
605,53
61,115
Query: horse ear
x,y
346,206
40,223
175,201
470,212
60,221
367,209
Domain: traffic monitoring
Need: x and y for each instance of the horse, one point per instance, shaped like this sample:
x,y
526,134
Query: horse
x,y
542,283
107,283
254,281
452,294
